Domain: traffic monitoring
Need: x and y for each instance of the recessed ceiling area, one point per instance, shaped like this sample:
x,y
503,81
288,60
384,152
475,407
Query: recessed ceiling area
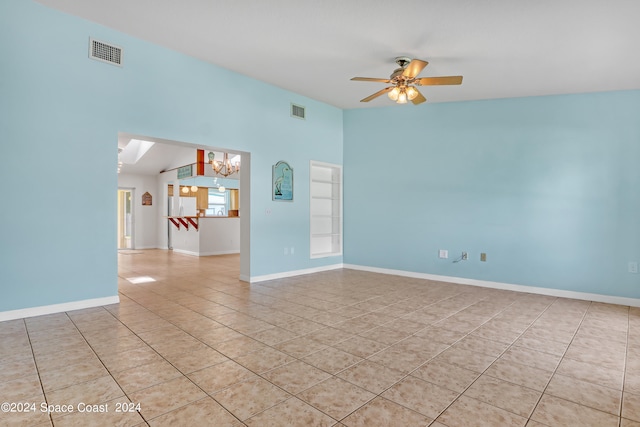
x,y
503,48
134,150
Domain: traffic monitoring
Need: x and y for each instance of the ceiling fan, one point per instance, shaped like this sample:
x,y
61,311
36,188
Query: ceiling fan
x,y
404,81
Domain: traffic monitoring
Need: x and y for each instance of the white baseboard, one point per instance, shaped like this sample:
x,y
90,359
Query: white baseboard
x,y
219,253
609,299
256,279
57,308
182,251
193,253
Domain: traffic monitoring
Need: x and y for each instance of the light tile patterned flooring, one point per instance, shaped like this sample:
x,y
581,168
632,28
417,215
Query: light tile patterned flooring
x,y
345,348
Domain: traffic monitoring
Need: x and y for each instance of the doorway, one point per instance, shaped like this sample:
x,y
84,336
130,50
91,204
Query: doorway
x,y
125,219
168,156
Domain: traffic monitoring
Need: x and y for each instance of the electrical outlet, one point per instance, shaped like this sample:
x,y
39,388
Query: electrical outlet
x,y
465,256
633,267
443,253
483,257
292,250
286,251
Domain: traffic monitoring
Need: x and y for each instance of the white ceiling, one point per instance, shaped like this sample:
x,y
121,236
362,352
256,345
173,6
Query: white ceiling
x,y
161,157
503,48
164,155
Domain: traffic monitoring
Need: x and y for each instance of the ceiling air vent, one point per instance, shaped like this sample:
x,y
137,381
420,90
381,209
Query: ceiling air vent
x,y
105,52
297,111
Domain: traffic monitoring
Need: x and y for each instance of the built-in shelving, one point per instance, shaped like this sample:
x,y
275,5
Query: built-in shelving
x,y
325,209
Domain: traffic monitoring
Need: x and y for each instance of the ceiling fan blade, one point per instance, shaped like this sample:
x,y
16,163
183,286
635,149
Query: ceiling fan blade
x,y
377,94
414,68
435,81
418,99
371,79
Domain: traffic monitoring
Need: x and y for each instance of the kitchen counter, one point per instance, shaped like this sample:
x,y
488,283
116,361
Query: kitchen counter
x,y
205,235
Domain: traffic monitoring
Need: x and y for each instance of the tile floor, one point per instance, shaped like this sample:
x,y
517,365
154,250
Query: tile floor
x,y
343,348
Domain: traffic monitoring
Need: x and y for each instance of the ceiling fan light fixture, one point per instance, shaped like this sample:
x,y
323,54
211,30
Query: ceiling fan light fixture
x,y
412,92
393,94
403,79
402,97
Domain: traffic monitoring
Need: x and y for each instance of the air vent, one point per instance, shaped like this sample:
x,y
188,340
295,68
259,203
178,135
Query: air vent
x,y
297,111
105,52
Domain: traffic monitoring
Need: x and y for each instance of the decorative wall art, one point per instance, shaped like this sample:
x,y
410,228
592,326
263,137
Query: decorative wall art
x,y
147,199
282,182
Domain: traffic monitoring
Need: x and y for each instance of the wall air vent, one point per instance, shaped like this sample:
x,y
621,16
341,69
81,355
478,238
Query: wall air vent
x,y
105,52
297,111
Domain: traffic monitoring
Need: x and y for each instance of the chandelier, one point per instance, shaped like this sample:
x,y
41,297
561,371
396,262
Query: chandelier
x,y
224,167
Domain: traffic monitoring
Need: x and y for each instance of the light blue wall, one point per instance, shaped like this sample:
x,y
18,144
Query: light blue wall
x,y
548,187
60,114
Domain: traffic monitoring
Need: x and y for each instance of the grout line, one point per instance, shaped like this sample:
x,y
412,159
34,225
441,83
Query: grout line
x,y
561,359
497,358
35,362
183,375
624,376
101,361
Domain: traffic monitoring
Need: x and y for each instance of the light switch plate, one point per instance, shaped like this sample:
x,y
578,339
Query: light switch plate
x,y
443,253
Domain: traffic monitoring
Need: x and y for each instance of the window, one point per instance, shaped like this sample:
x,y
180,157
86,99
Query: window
x,y
218,202
325,209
